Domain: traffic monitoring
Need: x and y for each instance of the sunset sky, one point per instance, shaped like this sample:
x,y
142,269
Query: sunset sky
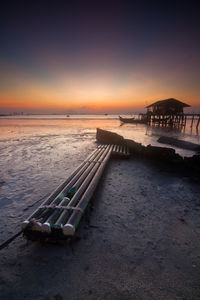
x,y
96,56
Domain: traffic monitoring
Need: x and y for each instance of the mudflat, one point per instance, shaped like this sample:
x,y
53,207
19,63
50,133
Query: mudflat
x,y
138,240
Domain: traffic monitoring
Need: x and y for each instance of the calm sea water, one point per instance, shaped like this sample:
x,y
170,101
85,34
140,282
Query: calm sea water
x,y
37,153
17,128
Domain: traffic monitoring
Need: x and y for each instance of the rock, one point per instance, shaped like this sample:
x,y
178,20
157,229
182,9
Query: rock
x,y
179,143
189,164
192,162
134,147
58,297
162,153
107,137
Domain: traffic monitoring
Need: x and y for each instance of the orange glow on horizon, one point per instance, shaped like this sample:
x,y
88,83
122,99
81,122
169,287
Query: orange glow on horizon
x,y
94,106
69,105
100,93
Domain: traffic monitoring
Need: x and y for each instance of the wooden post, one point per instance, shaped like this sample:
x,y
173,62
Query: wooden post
x,y
192,121
175,119
182,119
185,120
198,123
172,119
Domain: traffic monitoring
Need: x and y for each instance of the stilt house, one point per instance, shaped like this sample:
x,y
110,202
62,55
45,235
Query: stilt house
x,y
169,106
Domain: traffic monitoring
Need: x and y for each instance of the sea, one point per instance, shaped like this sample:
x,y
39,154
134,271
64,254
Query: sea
x,y
38,152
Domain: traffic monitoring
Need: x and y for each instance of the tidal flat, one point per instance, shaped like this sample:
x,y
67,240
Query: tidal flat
x,y
138,240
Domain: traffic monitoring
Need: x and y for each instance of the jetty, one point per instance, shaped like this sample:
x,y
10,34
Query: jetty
x,y
59,215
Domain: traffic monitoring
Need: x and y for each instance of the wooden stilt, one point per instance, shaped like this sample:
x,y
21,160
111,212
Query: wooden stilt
x,y
192,121
197,126
185,121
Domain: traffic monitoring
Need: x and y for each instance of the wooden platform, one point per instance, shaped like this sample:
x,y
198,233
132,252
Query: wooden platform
x,y
174,119
59,215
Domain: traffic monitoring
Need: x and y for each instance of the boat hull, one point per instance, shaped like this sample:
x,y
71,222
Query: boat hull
x,y
132,120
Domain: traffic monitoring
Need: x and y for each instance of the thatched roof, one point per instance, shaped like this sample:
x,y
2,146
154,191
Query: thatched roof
x,y
170,101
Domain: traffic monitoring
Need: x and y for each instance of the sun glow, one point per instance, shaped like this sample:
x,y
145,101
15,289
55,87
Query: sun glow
x,y
70,93
94,92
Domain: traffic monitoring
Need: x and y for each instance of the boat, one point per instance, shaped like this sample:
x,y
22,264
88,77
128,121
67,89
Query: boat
x,y
133,120
127,120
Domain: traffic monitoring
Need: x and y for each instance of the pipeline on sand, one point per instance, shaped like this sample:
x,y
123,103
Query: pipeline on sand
x,y
59,215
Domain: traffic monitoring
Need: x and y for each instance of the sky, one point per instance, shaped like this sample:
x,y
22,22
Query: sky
x,y
96,56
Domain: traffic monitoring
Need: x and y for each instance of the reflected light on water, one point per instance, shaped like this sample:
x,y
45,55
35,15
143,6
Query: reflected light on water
x,y
82,127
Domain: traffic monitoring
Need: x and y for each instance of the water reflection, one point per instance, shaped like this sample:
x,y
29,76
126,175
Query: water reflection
x,y
182,132
75,128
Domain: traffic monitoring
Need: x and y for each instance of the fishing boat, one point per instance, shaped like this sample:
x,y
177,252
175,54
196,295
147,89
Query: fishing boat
x,y
133,120
127,120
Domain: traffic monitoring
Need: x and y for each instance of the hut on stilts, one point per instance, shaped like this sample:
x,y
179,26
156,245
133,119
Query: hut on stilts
x,y
167,112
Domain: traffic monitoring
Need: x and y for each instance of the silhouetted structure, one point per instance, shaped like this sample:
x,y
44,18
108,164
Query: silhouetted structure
x,y
169,112
167,107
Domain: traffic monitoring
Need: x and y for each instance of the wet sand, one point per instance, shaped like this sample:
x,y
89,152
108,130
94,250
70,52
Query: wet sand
x,y
140,241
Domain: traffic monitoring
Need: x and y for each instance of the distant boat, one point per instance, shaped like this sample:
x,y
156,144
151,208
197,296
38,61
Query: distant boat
x,y
127,120
67,116
133,120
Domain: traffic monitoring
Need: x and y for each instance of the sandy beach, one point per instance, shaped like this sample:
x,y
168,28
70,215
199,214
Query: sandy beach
x,y
138,240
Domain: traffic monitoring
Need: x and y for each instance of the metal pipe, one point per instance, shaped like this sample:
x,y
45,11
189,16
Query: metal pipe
x,y
59,201
124,150
41,210
71,225
55,193
121,150
47,221
46,227
73,185
64,216
114,148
